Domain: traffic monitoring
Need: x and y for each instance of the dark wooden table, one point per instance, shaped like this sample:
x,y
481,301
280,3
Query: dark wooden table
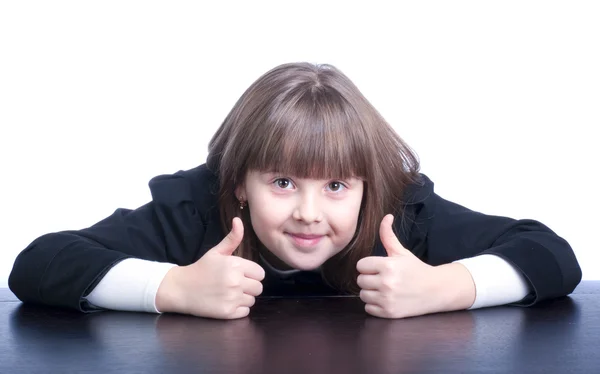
x,y
319,335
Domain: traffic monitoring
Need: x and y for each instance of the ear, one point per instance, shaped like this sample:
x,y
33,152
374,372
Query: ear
x,y
240,192
240,188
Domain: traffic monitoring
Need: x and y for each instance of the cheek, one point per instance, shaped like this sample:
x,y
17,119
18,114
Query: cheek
x,y
345,220
264,217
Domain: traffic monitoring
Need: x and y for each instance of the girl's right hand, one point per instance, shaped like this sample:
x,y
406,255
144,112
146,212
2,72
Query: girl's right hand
x,y
218,285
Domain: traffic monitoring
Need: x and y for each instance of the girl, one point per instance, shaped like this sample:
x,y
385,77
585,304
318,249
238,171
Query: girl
x,y
306,191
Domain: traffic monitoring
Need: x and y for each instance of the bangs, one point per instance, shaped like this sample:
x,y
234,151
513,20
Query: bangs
x,y
316,135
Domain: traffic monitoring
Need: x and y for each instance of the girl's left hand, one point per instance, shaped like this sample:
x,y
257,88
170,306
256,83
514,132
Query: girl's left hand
x,y
399,285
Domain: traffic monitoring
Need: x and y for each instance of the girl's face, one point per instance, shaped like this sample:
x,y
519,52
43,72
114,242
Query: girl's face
x,y
303,222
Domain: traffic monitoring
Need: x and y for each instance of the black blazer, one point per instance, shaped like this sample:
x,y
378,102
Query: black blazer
x,y
182,222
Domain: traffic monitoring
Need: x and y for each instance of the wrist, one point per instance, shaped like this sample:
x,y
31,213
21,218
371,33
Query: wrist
x,y
166,296
455,287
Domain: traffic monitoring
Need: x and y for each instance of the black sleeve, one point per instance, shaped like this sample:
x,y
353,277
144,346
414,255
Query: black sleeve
x,y
61,268
440,231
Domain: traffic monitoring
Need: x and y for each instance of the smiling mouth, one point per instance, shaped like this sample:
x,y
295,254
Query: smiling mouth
x,y
306,241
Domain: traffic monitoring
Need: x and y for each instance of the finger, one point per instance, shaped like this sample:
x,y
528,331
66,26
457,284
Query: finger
x,y
247,300
253,270
369,282
229,244
389,239
370,265
370,297
240,312
252,287
375,310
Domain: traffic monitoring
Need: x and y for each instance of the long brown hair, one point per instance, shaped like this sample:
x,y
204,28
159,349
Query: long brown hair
x,y
311,121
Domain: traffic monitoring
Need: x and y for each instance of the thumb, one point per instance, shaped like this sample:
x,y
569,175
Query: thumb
x,y
389,240
229,244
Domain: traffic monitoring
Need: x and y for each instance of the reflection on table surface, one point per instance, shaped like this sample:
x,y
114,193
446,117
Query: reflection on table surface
x,y
305,335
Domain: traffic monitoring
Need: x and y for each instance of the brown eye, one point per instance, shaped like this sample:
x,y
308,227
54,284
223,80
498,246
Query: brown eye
x,y
335,186
282,183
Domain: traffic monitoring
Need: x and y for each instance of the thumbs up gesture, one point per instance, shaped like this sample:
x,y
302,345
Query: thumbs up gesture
x,y
399,285
218,285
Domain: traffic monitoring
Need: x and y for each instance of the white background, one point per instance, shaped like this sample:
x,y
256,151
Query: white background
x,y
499,99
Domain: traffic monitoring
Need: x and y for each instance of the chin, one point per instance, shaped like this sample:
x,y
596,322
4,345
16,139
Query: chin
x,y
305,265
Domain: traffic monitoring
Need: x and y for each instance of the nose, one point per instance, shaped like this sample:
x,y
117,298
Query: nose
x,y
308,209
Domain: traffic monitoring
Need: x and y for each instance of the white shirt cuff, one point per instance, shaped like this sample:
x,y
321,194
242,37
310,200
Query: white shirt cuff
x,y
130,285
497,282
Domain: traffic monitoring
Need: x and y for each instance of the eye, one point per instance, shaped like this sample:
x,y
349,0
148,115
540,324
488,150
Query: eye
x,y
283,183
336,186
